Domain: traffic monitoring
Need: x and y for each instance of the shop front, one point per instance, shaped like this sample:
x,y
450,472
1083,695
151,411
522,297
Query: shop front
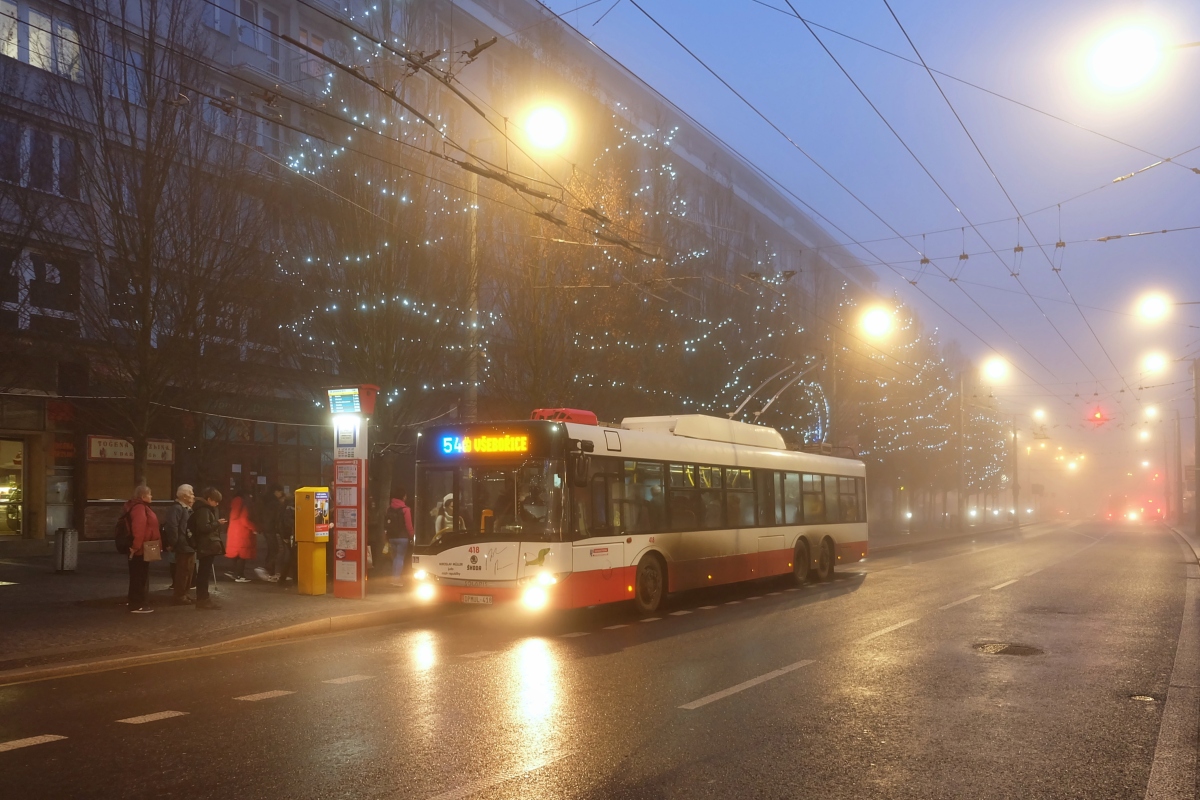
x,y
110,479
23,468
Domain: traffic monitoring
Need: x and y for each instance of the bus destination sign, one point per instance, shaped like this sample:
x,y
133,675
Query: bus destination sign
x,y
484,444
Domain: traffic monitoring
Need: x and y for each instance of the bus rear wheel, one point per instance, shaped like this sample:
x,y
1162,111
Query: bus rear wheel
x,y
801,563
650,584
825,561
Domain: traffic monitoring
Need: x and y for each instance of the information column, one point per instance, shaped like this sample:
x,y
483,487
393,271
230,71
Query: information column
x,y
351,408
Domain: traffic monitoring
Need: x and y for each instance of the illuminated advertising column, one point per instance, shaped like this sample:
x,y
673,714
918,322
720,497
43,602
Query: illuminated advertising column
x,y
351,408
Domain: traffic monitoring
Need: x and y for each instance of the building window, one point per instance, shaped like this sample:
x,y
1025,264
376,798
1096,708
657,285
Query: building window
x,y
311,65
126,67
218,14
9,45
40,40
38,159
247,24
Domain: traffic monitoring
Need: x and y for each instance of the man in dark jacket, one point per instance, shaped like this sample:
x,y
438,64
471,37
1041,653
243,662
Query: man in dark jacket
x,y
175,541
205,529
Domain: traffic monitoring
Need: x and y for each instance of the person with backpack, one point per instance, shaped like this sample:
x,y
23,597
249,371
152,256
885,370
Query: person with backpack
x,y
204,531
141,524
175,541
398,527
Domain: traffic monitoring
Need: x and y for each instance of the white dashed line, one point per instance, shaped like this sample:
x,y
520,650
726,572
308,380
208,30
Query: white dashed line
x,y
1006,583
733,602
772,594
478,654
888,629
574,634
1035,572
793,589
958,602
153,717
679,613
349,679
472,789
614,627
17,744
650,619
254,698
707,608
754,598
711,698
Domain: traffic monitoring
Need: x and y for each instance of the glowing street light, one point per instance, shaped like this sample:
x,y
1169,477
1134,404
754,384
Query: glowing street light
x,y
1039,414
1154,362
1151,411
877,322
995,369
546,127
1125,59
1144,435
1154,307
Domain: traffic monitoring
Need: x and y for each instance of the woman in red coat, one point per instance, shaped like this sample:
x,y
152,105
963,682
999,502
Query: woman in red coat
x,y
143,524
240,544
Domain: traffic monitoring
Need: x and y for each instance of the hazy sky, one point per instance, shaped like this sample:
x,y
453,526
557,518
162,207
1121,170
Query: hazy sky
x,y
1034,52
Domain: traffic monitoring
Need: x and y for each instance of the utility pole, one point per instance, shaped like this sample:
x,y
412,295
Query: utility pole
x,y
1196,436
1177,479
470,410
1016,483
962,450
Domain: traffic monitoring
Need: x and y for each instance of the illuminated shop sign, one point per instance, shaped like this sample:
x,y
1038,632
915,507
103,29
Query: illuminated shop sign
x,y
507,443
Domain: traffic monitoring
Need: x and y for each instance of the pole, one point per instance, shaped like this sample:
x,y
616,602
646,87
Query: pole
x,y
962,450
1177,480
1168,468
1196,436
471,398
1016,484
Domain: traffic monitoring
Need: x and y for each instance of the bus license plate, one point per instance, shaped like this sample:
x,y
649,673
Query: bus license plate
x,y
482,599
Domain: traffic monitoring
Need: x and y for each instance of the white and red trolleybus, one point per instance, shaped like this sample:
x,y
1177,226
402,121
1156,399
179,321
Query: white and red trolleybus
x,y
560,514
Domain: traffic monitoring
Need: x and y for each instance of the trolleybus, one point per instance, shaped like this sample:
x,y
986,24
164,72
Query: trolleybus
x,y
562,513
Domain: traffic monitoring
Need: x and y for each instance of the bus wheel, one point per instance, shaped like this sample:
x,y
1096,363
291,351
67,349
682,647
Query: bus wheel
x,y
825,561
650,584
801,563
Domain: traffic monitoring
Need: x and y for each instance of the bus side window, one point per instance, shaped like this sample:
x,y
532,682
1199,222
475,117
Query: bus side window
x,y
814,500
764,480
739,498
683,499
712,510
791,500
849,500
780,519
831,499
862,499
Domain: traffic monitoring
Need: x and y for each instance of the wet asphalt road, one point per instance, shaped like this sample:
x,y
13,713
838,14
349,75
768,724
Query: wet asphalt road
x,y
869,686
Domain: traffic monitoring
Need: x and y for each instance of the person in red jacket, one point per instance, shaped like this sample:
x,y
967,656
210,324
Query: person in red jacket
x,y
143,524
240,544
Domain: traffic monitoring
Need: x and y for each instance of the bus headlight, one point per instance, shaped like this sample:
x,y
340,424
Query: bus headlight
x,y
535,598
546,579
421,575
426,591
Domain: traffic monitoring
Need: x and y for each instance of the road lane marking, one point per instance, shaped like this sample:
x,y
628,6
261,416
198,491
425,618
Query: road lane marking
x,y
478,654
254,698
574,634
17,744
772,594
679,613
958,602
349,679
888,629
707,608
476,787
614,627
1035,572
153,717
712,698
1006,583
733,602
754,598
650,619
793,589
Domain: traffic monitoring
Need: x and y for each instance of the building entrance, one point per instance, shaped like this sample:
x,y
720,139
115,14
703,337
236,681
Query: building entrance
x,y
13,460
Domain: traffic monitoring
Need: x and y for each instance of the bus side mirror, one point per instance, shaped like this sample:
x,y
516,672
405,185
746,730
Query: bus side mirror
x,y
580,467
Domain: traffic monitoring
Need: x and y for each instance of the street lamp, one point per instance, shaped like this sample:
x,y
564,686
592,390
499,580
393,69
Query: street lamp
x,y
1154,362
546,127
1154,307
877,322
995,369
1125,59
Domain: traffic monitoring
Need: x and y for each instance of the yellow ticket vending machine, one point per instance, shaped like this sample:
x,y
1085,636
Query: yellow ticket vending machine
x,y
312,537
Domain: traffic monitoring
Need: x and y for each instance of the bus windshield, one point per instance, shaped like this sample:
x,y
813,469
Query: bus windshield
x,y
492,502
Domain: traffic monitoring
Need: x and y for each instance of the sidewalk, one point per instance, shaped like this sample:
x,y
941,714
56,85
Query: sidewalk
x,y
52,620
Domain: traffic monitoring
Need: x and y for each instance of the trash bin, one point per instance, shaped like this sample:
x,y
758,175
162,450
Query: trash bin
x,y
66,550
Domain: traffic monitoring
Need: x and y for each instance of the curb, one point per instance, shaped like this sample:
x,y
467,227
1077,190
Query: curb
x,y
316,627
902,546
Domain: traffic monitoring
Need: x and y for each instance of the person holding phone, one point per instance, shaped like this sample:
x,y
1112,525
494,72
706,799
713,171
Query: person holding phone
x,y
204,529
